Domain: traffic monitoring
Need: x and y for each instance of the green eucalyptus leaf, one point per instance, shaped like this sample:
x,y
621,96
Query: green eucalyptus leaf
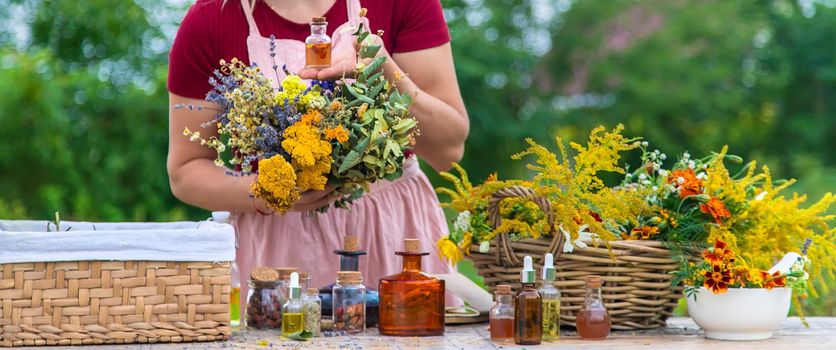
x,y
359,95
369,51
405,125
300,336
372,67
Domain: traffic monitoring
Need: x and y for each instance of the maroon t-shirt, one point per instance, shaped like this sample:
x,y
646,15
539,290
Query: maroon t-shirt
x,y
212,31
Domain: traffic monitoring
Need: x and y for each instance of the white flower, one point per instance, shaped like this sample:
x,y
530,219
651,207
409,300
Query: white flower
x,y
691,164
686,155
663,172
655,188
484,247
462,223
680,180
580,242
645,143
704,166
663,156
657,166
567,238
628,176
652,156
760,196
702,176
656,152
642,177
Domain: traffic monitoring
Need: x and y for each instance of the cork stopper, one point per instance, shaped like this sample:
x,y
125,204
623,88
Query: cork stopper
x,y
412,246
593,281
318,20
348,276
503,289
312,291
351,243
303,275
284,272
264,274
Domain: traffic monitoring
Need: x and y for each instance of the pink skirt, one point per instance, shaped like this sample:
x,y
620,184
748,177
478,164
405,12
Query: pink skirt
x,y
382,218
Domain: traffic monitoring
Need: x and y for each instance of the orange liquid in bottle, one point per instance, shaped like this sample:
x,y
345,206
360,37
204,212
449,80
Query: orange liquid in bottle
x,y
411,302
502,329
318,55
593,324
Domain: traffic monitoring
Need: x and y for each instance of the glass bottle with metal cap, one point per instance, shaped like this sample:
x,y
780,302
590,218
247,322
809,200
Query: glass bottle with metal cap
x,y
551,301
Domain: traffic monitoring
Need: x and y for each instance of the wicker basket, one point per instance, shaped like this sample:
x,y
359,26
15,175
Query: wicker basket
x,y
637,287
113,302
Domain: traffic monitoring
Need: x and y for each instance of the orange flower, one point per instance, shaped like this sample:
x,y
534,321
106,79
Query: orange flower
x,y
716,208
644,232
717,280
339,133
312,117
719,255
774,280
686,181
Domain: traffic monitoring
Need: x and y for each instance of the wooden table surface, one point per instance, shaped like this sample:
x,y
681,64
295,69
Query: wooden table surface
x,y
681,334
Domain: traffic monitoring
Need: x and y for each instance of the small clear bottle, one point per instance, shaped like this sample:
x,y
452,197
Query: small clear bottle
x,y
349,302
593,320
318,45
292,318
502,315
264,306
528,309
551,301
284,281
234,296
312,311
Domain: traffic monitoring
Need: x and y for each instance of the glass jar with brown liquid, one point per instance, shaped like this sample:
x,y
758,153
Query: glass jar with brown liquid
x,y
318,45
528,309
593,321
502,315
411,302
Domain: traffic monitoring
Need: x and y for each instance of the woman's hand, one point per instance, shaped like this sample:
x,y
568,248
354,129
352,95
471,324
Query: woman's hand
x,y
308,201
344,62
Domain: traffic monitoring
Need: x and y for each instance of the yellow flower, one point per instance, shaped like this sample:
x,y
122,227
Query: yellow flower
x,y
467,240
313,177
305,145
276,184
449,250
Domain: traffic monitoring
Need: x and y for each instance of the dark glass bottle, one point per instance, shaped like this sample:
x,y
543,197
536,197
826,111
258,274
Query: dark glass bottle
x,y
528,309
350,261
411,302
593,321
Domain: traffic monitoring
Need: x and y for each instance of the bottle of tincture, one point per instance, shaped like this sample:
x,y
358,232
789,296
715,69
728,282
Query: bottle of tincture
x,y
528,309
593,321
318,45
350,261
292,317
349,299
551,301
502,315
411,302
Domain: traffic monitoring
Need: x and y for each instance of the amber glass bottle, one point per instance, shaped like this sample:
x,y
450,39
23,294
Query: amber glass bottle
x,y
593,321
318,45
528,309
411,302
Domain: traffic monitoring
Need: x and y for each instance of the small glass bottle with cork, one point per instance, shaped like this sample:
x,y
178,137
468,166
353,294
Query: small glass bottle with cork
x,y
528,308
551,301
350,261
312,311
502,315
318,45
593,320
349,299
292,317
264,305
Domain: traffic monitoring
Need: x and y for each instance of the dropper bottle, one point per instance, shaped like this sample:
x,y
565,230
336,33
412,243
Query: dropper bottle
x,y
528,309
292,317
551,301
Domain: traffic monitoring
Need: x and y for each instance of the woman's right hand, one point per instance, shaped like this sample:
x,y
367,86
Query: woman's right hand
x,y
313,200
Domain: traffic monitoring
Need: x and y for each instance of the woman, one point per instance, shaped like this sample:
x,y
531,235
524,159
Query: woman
x,y
415,38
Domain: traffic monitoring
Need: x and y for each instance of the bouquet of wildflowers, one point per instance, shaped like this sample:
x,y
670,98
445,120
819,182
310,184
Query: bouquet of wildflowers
x,y
583,207
697,201
349,133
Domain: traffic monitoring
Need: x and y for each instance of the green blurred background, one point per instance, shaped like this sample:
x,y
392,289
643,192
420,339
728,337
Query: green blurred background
x,y
83,103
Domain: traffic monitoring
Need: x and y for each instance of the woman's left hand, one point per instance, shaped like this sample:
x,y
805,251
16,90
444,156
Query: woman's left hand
x,y
343,63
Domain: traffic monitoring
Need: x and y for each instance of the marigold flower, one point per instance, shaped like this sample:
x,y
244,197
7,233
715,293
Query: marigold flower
x,y
719,254
644,232
717,280
716,208
276,183
339,133
686,181
776,279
